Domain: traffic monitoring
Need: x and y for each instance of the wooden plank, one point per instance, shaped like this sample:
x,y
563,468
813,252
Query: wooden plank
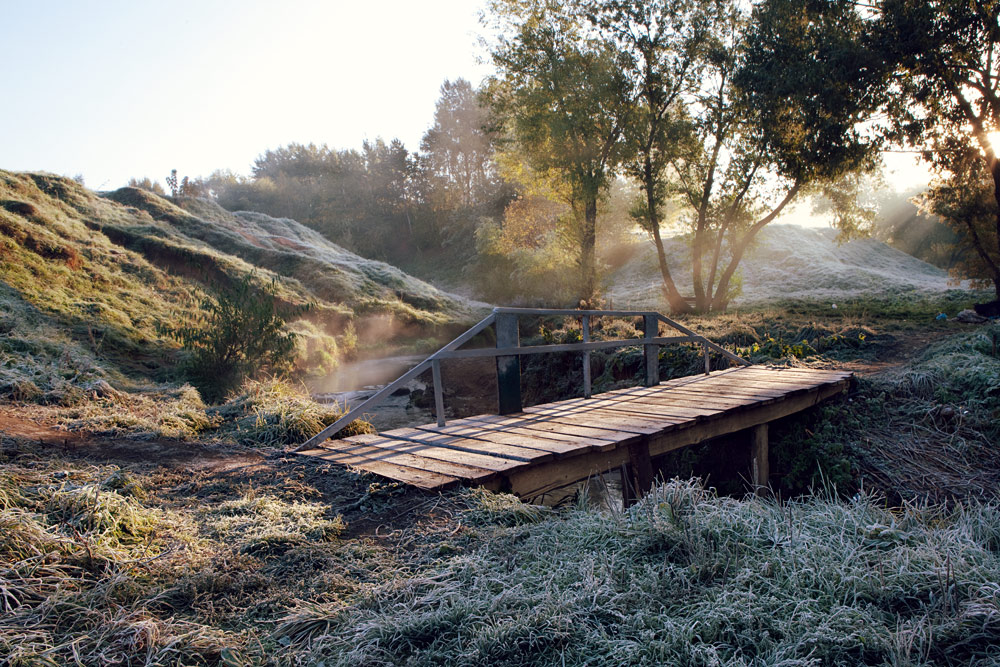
x,y
655,412
379,447
720,403
551,440
632,404
442,456
599,438
465,444
541,448
749,380
661,402
732,390
784,379
595,417
806,373
754,393
422,479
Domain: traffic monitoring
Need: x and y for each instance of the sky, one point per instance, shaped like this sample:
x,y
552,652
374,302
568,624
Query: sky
x,y
111,90
115,90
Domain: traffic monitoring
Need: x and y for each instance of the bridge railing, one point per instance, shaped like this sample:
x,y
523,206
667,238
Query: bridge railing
x,y
508,351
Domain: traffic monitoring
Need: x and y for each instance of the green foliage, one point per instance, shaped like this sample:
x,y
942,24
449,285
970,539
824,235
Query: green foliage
x,y
237,334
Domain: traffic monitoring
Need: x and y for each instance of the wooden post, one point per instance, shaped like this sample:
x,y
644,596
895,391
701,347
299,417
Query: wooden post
x,y
637,474
708,360
652,352
586,357
438,391
758,456
508,366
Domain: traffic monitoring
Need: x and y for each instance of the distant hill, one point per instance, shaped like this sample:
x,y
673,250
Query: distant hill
x,y
87,281
787,261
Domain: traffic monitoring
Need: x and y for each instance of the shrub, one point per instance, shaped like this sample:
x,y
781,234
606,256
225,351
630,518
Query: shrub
x,y
237,334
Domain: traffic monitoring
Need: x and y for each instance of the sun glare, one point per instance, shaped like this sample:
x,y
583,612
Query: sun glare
x,y
994,139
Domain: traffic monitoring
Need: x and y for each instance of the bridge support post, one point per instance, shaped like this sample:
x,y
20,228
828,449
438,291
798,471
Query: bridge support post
x,y
508,366
651,352
585,324
758,458
637,474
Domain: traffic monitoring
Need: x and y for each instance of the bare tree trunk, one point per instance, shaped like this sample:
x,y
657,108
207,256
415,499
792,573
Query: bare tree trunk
x,y
995,172
702,299
677,303
716,256
719,302
588,263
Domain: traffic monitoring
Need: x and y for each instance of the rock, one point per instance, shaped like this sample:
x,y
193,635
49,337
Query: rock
x,y
970,317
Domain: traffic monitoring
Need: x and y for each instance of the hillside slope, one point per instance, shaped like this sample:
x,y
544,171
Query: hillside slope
x,y
88,281
788,261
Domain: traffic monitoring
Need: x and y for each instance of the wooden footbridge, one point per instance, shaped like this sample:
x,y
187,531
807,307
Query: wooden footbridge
x,y
530,451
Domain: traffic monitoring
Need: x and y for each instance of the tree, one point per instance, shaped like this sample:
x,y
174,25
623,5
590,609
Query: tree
x,y
458,150
945,100
709,119
747,138
555,96
366,200
661,44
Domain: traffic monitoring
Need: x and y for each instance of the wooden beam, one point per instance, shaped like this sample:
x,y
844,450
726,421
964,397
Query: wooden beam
x,y
508,366
585,326
638,473
759,458
585,346
650,350
438,391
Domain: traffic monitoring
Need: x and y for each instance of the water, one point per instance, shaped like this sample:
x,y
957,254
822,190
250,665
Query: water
x,y
355,382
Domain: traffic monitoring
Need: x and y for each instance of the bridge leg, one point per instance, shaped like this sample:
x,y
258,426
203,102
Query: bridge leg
x,y
637,474
508,367
758,455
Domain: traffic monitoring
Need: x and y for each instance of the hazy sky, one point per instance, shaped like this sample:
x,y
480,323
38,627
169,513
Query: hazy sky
x,y
112,90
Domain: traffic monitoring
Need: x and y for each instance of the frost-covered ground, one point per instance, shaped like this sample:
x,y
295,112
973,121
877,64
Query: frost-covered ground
x,y
787,261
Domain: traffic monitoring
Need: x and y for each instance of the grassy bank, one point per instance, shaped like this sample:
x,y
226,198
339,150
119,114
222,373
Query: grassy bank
x,y
101,565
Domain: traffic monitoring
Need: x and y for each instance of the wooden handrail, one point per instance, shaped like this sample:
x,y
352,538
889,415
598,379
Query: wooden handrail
x,y
650,341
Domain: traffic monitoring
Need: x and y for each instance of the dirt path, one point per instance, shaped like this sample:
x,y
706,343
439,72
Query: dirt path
x,y
45,438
